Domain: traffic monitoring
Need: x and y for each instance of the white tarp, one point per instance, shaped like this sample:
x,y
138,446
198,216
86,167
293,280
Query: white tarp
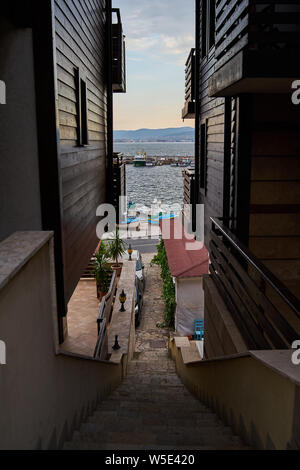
x,y
190,304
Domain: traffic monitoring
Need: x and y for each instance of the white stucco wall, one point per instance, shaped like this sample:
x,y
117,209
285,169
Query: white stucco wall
x,y
190,304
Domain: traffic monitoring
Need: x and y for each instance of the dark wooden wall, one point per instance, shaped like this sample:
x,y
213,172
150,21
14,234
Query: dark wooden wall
x,y
80,45
275,187
212,113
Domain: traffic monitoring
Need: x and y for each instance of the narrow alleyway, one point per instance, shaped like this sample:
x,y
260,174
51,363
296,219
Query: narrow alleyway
x,y
152,409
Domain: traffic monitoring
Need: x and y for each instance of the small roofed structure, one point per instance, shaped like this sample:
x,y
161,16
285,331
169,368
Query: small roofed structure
x,y
188,262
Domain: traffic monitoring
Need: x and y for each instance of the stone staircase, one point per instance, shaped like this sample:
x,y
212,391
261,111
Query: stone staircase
x,y
153,410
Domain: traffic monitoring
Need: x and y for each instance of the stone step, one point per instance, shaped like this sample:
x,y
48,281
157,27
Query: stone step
x,y
106,422
203,437
117,446
155,397
165,409
129,425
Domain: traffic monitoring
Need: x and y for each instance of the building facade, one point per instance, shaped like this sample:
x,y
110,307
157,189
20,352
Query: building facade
x,y
247,163
56,149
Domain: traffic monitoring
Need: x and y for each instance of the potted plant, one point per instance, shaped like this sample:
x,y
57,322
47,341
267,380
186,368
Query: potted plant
x,y
116,250
102,271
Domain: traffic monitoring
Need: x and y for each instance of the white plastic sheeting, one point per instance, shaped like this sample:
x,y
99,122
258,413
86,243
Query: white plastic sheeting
x,y
190,304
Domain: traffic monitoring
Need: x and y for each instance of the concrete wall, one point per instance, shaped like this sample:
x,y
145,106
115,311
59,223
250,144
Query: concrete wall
x,y
189,304
44,393
259,403
221,336
123,323
19,172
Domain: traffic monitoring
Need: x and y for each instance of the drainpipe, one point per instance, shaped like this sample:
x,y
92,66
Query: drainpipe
x,y
197,113
109,158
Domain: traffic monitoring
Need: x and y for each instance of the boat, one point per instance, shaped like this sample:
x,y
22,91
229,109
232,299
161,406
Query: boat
x,y
140,159
149,163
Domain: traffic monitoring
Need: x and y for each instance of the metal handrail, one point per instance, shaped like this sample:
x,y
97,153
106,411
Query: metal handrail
x,y
101,335
289,298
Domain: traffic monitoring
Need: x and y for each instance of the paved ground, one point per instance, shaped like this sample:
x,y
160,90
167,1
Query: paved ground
x,y
143,245
151,342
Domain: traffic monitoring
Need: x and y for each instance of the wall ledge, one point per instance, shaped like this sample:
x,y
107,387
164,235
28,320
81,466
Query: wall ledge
x,y
279,361
17,250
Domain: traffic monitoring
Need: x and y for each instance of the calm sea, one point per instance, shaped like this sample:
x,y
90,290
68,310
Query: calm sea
x,y
164,183
157,149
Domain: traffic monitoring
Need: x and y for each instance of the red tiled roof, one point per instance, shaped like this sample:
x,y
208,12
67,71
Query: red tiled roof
x,y
186,256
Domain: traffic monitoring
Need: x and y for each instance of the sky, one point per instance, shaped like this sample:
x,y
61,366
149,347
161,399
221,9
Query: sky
x,y
159,36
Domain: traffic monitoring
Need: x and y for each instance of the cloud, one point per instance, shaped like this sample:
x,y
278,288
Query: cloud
x,y
140,44
159,36
160,28
177,45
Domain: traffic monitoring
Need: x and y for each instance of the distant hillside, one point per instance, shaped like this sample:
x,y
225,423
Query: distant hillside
x,y
175,134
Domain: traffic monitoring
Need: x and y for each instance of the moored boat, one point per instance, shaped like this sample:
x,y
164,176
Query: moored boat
x,y
140,159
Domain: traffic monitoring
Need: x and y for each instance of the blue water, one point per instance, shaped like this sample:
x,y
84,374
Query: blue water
x,y
164,183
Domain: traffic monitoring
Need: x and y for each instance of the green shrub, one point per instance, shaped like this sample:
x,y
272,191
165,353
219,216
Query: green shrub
x,y
168,285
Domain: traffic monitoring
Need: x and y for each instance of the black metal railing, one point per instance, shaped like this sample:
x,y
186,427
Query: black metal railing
x,y
248,288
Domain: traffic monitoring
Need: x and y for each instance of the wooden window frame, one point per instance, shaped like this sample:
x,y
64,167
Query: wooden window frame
x,y
204,50
208,27
82,109
203,157
211,20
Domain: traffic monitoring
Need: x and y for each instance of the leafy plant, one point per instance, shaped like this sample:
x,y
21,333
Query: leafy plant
x,y
116,247
102,270
169,294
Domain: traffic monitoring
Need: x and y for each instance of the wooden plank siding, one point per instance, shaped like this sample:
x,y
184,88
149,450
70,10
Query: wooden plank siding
x,y
275,187
212,114
80,45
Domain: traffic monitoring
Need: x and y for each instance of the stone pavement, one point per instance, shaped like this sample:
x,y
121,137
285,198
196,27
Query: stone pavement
x,y
152,409
151,341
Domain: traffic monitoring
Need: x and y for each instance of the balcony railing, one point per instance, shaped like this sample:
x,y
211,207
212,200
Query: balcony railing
x,y
103,319
188,111
119,181
246,285
260,29
189,187
118,56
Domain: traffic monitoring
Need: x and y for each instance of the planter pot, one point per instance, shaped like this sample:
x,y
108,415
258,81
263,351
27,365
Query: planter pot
x,y
117,268
100,294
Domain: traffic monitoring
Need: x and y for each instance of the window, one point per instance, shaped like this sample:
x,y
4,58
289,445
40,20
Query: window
x,y
82,110
208,27
203,29
212,25
84,114
203,156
